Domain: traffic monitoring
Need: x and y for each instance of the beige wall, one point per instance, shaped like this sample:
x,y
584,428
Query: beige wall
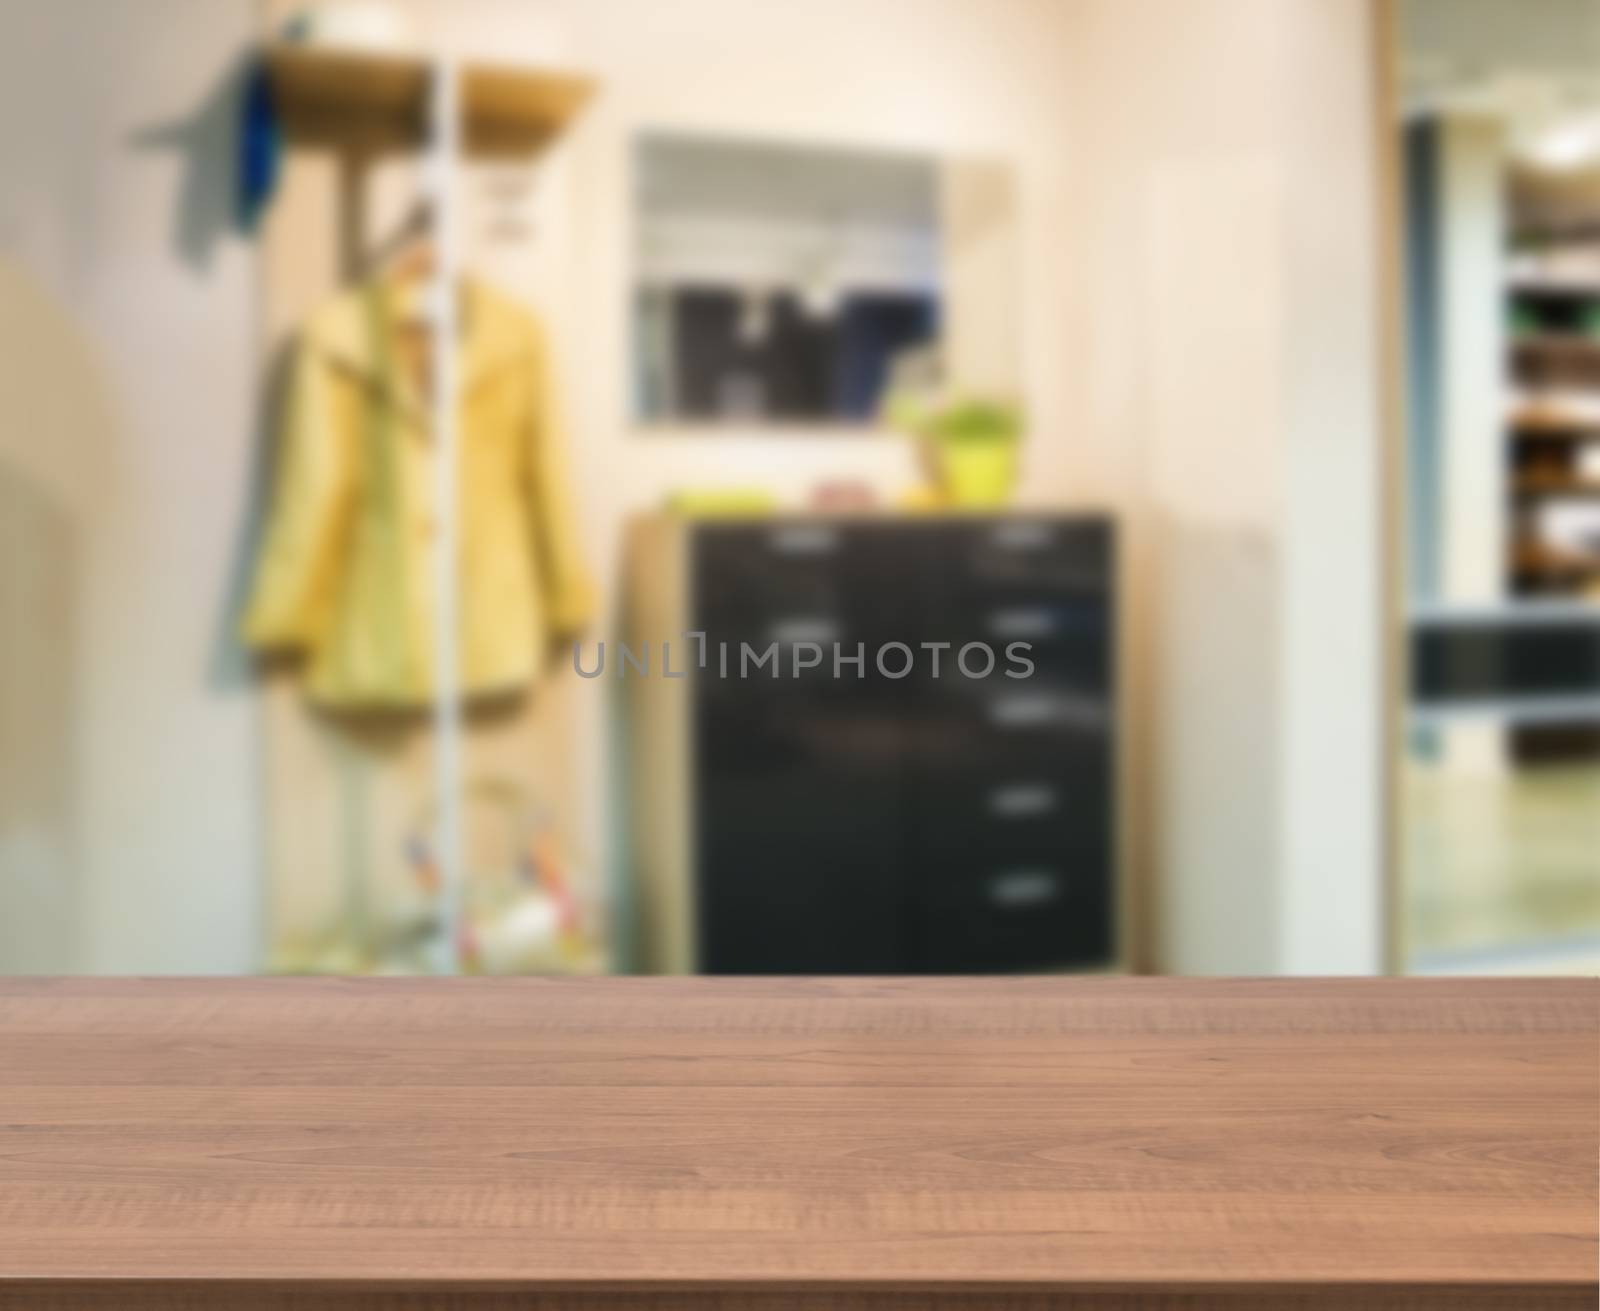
x,y
1226,337
127,331
46,479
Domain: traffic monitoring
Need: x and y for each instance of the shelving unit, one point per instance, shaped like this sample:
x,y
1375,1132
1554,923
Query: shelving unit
x,y
1555,356
1554,360
345,100
362,107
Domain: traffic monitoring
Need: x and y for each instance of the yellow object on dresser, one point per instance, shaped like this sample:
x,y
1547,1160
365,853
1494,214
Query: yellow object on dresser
x,y
345,572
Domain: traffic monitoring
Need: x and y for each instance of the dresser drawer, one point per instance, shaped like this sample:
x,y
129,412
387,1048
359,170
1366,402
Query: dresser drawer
x,y
978,734
743,580
796,573
1016,915
1050,809
1001,561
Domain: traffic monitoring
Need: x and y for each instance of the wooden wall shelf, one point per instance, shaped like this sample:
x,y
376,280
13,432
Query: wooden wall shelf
x,y
351,100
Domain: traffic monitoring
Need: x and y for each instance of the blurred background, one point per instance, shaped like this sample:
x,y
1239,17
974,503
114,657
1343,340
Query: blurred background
x,y
416,415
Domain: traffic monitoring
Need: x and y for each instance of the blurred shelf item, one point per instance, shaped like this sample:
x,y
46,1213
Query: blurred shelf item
x,y
1529,665
1552,474
378,103
1533,558
1536,483
1546,421
1559,711
1562,409
1511,615
1562,345
1565,266
1556,284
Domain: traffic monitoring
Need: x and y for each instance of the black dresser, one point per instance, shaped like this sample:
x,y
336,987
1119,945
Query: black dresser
x,y
921,811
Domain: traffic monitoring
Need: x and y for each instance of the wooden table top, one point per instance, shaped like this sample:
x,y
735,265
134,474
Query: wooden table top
x,y
993,1140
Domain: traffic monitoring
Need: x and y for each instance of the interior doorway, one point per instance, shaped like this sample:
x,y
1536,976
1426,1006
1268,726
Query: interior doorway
x,y
1497,785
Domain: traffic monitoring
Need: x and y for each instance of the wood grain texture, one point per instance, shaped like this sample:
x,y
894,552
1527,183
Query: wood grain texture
x,y
194,1297
660,1144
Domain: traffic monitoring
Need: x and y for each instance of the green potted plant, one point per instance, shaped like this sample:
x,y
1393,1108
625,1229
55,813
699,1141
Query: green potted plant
x,y
970,444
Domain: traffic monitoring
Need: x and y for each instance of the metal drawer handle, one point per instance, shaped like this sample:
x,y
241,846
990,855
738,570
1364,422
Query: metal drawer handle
x,y
1024,711
1086,713
803,628
1021,536
1020,800
1024,887
803,539
1022,622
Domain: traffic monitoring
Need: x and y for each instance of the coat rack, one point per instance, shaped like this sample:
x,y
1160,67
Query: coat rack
x,y
363,107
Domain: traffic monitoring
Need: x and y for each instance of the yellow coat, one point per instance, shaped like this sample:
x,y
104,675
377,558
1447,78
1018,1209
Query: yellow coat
x,y
346,566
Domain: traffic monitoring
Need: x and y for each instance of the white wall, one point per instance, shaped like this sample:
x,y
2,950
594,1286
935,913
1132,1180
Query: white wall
x,y
1470,215
1470,219
114,184
1333,634
1227,340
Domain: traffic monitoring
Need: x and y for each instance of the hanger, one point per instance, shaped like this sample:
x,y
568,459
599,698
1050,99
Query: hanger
x,y
407,252
406,260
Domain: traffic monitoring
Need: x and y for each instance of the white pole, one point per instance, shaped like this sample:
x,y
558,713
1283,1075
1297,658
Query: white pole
x,y
445,147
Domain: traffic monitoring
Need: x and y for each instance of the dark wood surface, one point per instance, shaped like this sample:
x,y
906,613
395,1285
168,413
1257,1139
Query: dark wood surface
x,y
667,1144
